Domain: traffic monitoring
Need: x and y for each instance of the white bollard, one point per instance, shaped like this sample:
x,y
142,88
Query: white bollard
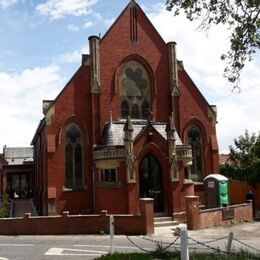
x,y
184,244
112,233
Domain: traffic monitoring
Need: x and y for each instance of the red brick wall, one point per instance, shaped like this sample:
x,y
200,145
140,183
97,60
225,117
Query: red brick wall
x,y
150,49
72,105
84,224
193,108
197,219
114,198
238,190
209,218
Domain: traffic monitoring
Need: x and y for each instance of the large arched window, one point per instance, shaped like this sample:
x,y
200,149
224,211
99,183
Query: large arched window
x,y
135,91
73,158
196,142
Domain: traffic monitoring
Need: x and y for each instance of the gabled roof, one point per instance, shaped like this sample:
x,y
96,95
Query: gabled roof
x,y
131,3
197,90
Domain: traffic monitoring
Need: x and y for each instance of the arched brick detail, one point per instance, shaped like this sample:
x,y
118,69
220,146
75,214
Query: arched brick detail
x,y
74,119
156,151
147,66
196,122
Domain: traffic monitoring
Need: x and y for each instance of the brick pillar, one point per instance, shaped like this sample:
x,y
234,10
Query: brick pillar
x,y
186,190
192,212
133,206
146,208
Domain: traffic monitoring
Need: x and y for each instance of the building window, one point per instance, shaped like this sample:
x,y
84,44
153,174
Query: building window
x,y
108,176
73,158
195,140
135,91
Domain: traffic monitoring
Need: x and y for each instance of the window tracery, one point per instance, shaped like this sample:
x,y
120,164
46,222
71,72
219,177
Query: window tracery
x,y
195,140
135,91
73,158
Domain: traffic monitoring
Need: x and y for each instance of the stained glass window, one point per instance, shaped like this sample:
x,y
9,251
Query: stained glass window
x,y
135,91
195,140
73,158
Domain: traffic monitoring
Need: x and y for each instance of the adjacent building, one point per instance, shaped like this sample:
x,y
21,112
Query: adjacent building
x,y
17,172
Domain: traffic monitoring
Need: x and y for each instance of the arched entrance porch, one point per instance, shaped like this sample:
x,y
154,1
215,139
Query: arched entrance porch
x,y
151,181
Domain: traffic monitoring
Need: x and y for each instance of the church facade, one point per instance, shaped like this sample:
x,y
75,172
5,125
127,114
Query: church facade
x,y
129,124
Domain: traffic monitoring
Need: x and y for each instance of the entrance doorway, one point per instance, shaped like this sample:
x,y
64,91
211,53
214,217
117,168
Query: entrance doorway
x,y
18,186
150,181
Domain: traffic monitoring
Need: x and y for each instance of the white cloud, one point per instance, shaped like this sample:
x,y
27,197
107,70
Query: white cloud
x,y
73,28
21,102
57,9
100,18
201,56
6,3
74,56
88,24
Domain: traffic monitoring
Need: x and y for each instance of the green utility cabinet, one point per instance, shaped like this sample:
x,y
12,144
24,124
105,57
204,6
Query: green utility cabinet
x,y
216,190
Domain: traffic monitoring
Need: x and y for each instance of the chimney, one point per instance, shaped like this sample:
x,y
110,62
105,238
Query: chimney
x,y
85,59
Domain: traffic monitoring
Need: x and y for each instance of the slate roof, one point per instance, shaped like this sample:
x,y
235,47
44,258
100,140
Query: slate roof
x,y
113,133
18,155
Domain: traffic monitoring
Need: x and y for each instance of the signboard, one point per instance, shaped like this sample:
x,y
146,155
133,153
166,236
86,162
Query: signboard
x,y
227,214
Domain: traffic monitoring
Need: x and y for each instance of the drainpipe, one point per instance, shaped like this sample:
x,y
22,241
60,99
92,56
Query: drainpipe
x,y
94,188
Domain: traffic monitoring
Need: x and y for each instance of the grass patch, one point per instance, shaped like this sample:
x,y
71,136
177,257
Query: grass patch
x,y
141,256
176,255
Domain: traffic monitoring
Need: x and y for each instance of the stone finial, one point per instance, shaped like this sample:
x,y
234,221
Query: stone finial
x,y
110,117
111,135
170,125
94,63
173,66
128,125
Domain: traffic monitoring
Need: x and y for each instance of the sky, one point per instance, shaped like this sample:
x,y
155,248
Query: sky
x,y
41,42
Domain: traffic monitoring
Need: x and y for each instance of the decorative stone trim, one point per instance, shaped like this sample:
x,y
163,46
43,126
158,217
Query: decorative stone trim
x,y
184,152
105,153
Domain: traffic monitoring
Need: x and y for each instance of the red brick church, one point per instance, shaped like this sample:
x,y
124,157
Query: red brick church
x,y
129,124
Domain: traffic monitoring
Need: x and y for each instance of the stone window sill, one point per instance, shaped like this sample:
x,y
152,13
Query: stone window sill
x,y
198,183
188,181
64,189
108,184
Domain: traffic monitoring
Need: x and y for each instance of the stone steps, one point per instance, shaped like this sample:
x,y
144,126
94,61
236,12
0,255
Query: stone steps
x,y
164,221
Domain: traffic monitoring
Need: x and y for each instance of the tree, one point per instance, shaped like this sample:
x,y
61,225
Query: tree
x,y
244,158
242,16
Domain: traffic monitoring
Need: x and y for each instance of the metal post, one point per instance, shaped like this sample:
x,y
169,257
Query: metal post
x,y
230,238
184,244
112,233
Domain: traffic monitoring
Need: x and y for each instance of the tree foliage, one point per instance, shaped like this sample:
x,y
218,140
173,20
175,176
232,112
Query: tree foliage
x,y
243,18
244,158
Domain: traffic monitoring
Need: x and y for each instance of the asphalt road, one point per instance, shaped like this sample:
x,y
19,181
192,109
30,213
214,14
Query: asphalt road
x,y
92,246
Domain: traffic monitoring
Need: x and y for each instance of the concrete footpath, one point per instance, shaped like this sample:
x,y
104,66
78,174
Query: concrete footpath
x,y
247,231
246,236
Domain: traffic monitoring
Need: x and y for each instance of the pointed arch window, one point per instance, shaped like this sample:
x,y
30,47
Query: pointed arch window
x,y
135,91
73,158
195,140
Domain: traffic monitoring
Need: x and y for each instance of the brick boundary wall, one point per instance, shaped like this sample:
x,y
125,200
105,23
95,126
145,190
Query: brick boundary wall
x,y
198,218
142,224
238,190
